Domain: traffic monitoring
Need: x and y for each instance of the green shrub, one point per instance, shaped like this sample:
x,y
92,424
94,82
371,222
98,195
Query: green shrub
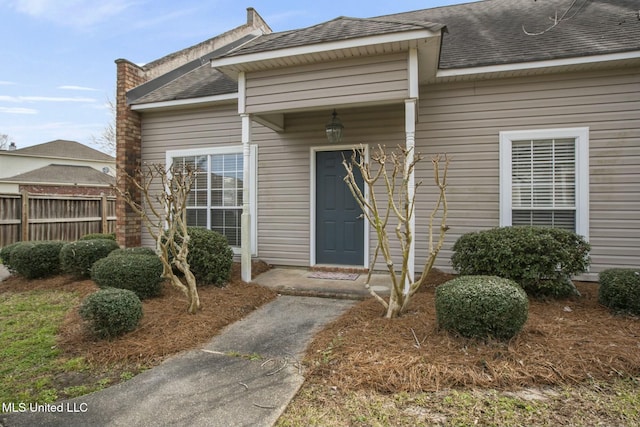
x,y
93,236
481,306
133,251
37,259
112,312
76,258
620,290
135,272
541,259
5,255
210,256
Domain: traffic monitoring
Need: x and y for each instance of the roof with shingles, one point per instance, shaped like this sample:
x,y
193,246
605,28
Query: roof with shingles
x,y
483,33
341,28
203,81
63,174
494,32
64,149
192,80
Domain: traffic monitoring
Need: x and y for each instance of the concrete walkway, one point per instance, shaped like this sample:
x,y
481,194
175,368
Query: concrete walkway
x,y
297,281
246,376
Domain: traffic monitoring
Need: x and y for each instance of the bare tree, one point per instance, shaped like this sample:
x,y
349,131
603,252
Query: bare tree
x,y
399,203
107,139
164,216
4,141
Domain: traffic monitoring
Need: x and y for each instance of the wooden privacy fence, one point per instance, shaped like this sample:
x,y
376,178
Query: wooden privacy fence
x,y
25,217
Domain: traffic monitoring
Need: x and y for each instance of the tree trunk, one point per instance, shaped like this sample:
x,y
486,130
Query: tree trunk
x,y
401,203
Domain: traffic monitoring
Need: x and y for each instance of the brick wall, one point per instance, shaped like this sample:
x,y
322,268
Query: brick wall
x,y
128,152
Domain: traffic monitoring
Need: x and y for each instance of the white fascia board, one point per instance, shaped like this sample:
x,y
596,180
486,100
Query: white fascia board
x,y
323,47
185,102
538,64
42,156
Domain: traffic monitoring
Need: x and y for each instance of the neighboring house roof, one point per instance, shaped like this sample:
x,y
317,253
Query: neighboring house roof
x,y
483,33
63,174
63,149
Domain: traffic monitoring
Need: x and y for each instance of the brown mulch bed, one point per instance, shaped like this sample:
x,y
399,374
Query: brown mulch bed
x,y
563,342
165,329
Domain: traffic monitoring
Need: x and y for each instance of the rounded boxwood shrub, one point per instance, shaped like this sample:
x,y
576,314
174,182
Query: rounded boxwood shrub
x,y
210,256
37,259
620,290
76,258
481,306
5,254
135,272
541,259
133,251
112,312
93,236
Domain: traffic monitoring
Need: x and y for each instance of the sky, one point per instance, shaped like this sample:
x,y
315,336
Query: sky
x,y
57,57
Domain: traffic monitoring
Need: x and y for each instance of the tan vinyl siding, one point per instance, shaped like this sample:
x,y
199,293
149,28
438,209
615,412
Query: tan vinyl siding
x,y
464,119
187,129
360,80
283,162
284,177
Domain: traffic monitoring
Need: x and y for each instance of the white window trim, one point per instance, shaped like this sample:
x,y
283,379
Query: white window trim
x,y
253,181
581,136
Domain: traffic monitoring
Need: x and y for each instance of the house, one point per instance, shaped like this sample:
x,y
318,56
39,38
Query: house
x,y
537,103
57,167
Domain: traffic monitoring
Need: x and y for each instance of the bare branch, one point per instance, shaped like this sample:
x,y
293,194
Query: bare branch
x,y
395,170
556,20
164,217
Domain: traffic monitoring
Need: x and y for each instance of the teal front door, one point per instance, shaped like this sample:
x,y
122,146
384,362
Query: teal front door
x,y
339,227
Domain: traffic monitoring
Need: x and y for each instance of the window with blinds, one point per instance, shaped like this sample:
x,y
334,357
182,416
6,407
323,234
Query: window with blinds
x,y
215,200
543,182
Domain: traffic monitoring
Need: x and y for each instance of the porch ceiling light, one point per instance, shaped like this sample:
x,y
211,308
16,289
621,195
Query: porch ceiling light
x,y
334,129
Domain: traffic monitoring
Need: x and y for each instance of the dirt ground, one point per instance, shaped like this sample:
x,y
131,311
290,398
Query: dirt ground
x,y
563,342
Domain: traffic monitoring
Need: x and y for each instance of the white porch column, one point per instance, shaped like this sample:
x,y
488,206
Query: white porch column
x,y
410,113
246,213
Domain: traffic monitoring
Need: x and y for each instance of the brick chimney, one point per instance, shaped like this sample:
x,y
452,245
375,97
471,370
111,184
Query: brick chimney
x,y
128,152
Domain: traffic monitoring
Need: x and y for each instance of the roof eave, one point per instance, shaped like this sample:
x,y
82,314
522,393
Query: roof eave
x,y
232,65
44,156
55,183
536,66
186,103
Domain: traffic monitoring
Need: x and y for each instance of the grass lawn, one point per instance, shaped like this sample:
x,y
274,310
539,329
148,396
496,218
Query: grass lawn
x,y
29,356
597,403
47,354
